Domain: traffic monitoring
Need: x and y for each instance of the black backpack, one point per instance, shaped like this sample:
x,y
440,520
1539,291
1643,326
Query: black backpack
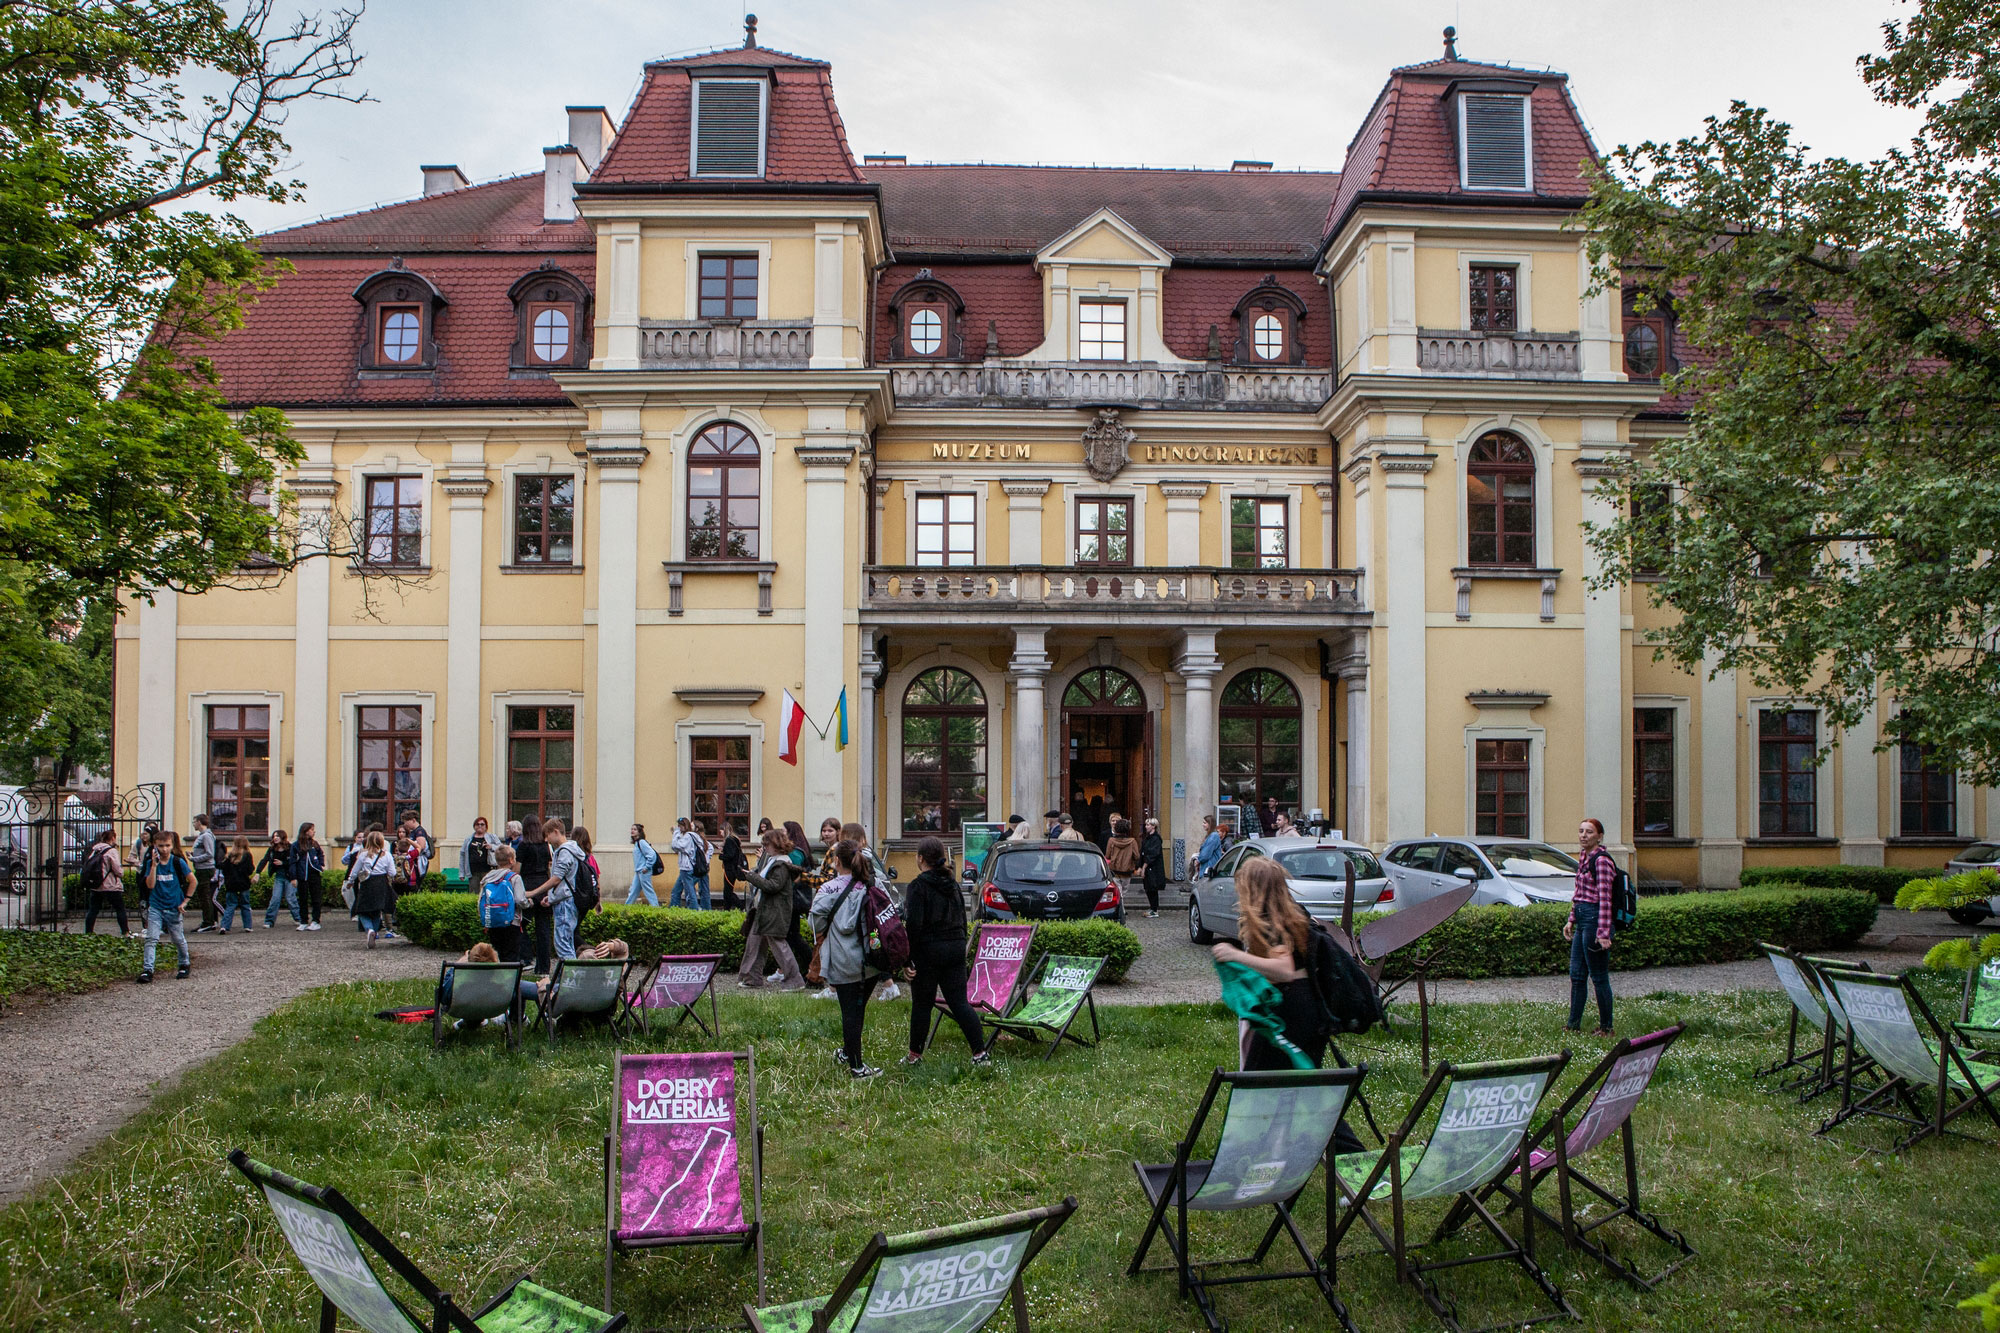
x,y
586,887
698,863
1347,998
93,870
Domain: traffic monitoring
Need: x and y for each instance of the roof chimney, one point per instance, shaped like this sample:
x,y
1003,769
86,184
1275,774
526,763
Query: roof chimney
x,y
1243,164
590,133
562,168
439,179
884,160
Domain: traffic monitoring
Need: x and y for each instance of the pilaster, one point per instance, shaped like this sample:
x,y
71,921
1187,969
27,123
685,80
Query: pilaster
x,y
1401,589
1606,795
465,485
1860,792
616,455
830,322
315,488
1183,520
159,713
1028,670
1721,848
826,462
1024,521
1198,665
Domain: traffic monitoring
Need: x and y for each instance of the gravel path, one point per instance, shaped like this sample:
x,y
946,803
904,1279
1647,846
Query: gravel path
x,y
82,1065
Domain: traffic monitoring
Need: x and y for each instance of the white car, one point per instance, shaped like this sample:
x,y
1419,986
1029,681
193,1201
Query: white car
x,y
1316,869
1508,871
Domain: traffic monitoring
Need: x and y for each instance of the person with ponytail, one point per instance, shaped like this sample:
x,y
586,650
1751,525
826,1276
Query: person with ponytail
x,y
837,919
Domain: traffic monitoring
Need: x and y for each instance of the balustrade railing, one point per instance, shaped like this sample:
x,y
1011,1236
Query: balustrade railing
x,y
1520,355
1012,383
1170,591
676,344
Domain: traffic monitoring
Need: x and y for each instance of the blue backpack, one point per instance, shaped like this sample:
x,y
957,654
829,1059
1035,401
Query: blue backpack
x,y
496,903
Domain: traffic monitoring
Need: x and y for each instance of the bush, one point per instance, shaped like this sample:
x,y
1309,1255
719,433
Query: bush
x,y
440,920
652,931
1882,881
56,962
1114,943
1671,932
434,882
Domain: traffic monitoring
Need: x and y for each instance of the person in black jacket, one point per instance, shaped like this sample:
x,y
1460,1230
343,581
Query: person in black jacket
x,y
532,859
1153,866
934,915
733,866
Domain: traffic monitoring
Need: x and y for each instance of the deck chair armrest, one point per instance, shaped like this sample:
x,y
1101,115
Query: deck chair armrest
x,y
500,1297
1972,1034
850,1282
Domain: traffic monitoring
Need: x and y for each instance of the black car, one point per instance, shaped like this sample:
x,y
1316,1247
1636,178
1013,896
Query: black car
x,y
1048,881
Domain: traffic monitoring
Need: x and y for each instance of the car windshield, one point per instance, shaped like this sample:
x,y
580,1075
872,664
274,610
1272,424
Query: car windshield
x,y
1329,863
1051,865
1530,859
1979,854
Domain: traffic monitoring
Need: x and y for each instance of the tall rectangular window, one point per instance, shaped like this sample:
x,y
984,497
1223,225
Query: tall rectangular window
x,y
389,768
729,127
1104,532
728,287
392,522
1101,330
545,520
720,779
541,762
1652,527
1259,536
1653,772
1929,793
1500,788
239,769
1787,773
946,531
1491,298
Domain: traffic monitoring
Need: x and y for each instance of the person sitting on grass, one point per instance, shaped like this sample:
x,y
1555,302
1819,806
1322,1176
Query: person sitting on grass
x,y
537,988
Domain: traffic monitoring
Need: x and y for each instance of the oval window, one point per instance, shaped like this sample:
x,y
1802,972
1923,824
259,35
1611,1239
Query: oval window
x,y
1642,351
1267,337
399,336
551,335
926,332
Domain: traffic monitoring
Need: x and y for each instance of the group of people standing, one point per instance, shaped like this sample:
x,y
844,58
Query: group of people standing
x,y
1141,860
535,885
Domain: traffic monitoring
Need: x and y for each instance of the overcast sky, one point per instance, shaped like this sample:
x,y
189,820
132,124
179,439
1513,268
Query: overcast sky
x,y
482,83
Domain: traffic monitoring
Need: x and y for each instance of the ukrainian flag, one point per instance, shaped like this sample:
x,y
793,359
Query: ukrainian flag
x,y
840,721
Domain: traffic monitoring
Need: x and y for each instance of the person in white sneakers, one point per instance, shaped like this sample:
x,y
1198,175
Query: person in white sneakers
x,y
371,876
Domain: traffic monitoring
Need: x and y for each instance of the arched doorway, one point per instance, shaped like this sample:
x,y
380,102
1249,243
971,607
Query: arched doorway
x,y
944,752
1107,751
1261,735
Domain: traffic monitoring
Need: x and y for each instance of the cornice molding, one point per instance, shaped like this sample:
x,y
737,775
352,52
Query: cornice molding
x,y
1025,486
1183,489
825,455
1417,463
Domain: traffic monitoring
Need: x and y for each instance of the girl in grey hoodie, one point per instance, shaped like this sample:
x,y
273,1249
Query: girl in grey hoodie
x,y
837,920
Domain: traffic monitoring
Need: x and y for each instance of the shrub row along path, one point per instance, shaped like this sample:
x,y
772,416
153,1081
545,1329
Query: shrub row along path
x,y
78,1067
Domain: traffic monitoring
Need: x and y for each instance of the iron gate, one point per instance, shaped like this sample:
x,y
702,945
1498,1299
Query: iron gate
x,y
46,832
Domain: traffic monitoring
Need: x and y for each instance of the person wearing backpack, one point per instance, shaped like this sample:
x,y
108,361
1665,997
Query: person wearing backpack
x,y
167,878
502,900
475,854
934,915
839,919
646,863
1588,929
588,875
691,850
565,862
103,882
770,916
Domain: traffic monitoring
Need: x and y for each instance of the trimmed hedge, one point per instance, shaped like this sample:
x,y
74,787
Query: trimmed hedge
x,y
1882,881
1109,940
1675,931
652,931
439,920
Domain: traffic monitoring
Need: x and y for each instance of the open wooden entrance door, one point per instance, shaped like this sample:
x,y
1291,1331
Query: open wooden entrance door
x,y
1107,753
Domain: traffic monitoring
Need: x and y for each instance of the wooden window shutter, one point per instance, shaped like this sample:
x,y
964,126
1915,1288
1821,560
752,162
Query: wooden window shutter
x,y
729,127
1496,149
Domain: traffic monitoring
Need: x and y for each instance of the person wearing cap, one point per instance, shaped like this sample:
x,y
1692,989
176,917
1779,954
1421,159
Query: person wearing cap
x,y
1069,831
1054,820
1019,829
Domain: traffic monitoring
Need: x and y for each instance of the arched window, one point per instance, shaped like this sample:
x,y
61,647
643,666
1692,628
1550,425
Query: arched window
x,y
1500,502
722,494
1103,688
1260,735
1267,325
551,320
944,752
399,313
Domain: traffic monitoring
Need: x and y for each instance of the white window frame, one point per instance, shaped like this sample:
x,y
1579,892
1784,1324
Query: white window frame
x,y
685,732
694,250
198,706
350,767
495,799
1824,787
1683,714
1527,146
1124,321
392,465
1537,738
543,466
763,130
677,454
1293,499
944,486
1523,264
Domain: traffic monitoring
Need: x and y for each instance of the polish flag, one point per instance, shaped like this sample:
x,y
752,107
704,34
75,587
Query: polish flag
x,y
791,720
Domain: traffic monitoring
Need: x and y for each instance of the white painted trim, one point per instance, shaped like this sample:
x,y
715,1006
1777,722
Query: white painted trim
x,y
1528,145
395,460
993,684
1106,294
350,767
682,440
1824,787
1523,263
763,87
712,245
545,462
946,485
1683,757
1537,738
198,705
495,804
1150,254
715,720
1543,449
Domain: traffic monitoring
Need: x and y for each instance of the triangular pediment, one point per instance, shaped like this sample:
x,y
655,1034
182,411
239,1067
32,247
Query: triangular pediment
x,y
1104,238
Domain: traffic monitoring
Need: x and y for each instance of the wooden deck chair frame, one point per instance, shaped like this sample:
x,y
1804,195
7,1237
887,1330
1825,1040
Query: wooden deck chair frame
x,y
1394,1240
1815,1065
441,1016
1033,1031
633,1013
548,1018
446,1315
1044,1221
1898,1089
1174,1193
1846,1063
1574,1231
938,1010
751,1239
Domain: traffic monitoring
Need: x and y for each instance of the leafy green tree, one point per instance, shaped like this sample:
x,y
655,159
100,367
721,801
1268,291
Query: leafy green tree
x,y
1839,478
120,468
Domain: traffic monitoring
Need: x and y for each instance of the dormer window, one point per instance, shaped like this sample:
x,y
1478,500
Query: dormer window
x,y
1267,338
926,320
551,321
1649,325
729,127
549,333
926,330
1101,330
1494,141
399,314
1267,325
400,336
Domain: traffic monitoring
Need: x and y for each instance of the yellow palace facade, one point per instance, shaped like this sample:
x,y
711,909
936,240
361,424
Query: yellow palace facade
x,y
1087,489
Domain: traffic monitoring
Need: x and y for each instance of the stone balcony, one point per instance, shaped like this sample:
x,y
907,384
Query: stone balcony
x,y
1526,356
708,344
1003,383
1008,594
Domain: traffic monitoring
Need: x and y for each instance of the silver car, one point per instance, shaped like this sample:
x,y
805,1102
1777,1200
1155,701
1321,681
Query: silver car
x,y
1979,856
1507,871
1316,868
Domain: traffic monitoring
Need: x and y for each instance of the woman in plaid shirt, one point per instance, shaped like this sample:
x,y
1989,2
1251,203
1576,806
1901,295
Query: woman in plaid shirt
x,y
1588,929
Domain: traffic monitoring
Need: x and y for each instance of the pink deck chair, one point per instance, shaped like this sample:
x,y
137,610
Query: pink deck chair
x,y
999,972
677,982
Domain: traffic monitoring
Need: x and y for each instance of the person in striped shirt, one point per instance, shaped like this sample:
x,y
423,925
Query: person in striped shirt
x,y
1588,929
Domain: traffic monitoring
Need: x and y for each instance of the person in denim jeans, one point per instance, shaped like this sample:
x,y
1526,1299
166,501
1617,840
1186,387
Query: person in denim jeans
x,y
372,873
560,891
690,890
277,859
168,878
236,870
642,869
1588,929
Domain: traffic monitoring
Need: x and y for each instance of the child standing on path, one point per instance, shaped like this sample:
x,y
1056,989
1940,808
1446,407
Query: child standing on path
x,y
167,878
201,855
236,869
373,877
503,899
308,865
560,892
284,889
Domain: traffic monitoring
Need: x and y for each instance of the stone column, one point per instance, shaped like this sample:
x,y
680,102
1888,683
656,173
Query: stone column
x,y
1198,666
160,705
865,734
466,485
616,455
1183,521
1028,669
1721,849
826,463
1606,712
1860,793
315,488
1401,589
1024,521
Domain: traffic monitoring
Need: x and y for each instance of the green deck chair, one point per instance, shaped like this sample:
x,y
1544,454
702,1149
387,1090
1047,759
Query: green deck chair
x,y
332,1240
1276,1128
946,1280
1848,1066
471,993
1894,1025
1979,1014
1060,991
581,986
1481,1134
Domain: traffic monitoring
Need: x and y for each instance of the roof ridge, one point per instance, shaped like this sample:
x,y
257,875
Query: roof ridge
x,y
746,52
1095,166
397,203
1545,71
1394,104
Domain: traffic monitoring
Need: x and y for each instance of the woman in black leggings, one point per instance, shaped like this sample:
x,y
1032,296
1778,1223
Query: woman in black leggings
x,y
934,915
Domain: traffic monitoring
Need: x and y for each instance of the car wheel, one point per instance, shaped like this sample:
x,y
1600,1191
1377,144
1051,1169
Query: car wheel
x,y
1197,932
1969,915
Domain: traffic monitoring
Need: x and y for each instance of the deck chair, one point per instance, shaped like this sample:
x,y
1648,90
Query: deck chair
x,y
1979,1012
676,982
999,972
1481,1134
1894,1025
672,1174
1276,1128
1846,1063
1060,991
581,986
1613,1090
949,1279
1809,1016
332,1239
471,993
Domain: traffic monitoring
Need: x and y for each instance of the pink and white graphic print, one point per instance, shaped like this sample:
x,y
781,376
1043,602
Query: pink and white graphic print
x,y
679,981
996,965
677,1146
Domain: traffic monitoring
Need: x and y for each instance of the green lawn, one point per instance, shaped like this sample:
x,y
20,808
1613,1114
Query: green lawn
x,y
485,1164
52,962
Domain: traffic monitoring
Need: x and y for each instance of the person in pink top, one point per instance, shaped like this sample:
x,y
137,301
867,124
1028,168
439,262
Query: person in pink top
x,y
1588,929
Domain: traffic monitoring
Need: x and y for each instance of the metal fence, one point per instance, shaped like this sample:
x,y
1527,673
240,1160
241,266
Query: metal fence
x,y
46,832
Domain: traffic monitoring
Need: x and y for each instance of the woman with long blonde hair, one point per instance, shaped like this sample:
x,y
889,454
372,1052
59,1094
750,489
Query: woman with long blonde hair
x,y
1276,943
